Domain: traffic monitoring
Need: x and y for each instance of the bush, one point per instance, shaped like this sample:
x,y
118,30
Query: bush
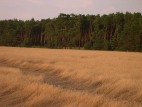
x,y
87,45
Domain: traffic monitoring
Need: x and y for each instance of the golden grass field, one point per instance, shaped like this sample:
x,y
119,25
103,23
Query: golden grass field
x,y
69,78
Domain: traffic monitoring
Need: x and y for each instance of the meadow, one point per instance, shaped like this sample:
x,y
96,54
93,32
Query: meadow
x,y
35,77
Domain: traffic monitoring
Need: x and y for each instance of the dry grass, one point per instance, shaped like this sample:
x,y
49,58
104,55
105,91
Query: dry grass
x,y
69,78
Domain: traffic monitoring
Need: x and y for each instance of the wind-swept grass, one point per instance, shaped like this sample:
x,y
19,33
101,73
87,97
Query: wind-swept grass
x,y
69,78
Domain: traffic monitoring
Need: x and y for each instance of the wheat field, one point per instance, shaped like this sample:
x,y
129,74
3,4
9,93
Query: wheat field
x,y
32,77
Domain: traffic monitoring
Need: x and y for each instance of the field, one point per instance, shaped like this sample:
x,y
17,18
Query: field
x,y
32,77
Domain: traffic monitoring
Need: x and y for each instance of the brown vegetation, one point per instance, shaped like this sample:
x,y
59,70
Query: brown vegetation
x,y
69,78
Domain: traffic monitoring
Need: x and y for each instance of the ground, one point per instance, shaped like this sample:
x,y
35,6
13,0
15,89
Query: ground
x,y
34,77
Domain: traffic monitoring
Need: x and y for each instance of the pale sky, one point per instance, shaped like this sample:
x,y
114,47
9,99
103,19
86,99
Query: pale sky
x,y
43,9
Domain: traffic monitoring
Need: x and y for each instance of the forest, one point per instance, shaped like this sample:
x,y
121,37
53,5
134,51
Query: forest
x,y
116,31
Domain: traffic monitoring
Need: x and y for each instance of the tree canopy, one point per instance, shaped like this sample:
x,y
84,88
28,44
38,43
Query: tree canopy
x,y
117,31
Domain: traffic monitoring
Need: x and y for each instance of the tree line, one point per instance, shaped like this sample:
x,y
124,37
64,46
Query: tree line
x,y
119,31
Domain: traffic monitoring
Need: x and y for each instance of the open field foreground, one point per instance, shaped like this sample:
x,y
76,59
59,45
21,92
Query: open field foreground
x,y
69,78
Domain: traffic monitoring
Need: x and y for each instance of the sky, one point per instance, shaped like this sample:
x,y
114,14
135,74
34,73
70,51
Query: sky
x,y
43,9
